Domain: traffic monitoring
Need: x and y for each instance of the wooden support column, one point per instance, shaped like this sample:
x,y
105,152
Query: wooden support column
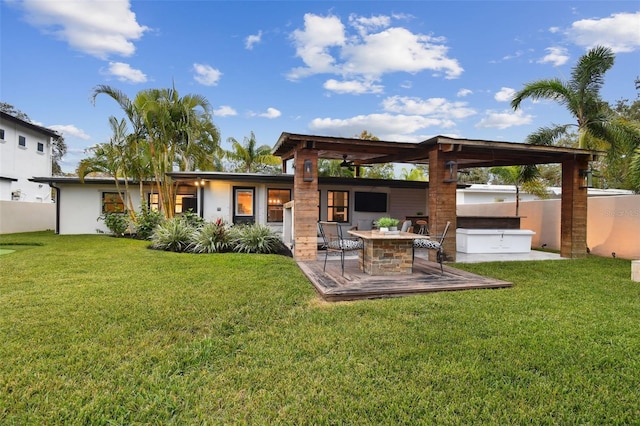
x,y
442,203
305,208
573,220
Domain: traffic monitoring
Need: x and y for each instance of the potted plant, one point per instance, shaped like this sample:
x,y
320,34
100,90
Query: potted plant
x,y
386,224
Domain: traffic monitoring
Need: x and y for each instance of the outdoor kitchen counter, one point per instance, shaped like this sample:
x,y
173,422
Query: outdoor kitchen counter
x,y
386,253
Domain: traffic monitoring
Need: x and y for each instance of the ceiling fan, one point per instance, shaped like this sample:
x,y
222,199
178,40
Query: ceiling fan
x,y
345,163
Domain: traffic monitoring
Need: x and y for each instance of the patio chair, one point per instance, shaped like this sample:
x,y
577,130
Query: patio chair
x,y
334,241
429,244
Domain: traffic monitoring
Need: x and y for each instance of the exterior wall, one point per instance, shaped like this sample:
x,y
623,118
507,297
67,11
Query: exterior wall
x,y
80,204
613,222
490,194
23,163
19,216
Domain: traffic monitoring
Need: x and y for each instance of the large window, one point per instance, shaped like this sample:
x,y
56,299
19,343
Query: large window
x,y
338,206
276,199
184,203
244,205
112,203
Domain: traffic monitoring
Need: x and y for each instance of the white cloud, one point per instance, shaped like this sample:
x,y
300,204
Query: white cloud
x,y
313,44
98,28
270,113
365,25
620,32
464,92
438,108
385,126
124,72
224,111
252,39
505,94
69,130
554,30
504,120
556,56
352,86
325,47
206,74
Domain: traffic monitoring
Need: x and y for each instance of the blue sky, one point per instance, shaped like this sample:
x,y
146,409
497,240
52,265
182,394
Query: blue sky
x,y
404,71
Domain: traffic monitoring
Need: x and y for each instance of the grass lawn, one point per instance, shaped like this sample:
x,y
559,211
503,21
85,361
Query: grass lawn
x,y
98,330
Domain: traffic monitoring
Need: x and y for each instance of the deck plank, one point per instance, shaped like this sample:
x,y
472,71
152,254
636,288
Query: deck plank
x,y
426,278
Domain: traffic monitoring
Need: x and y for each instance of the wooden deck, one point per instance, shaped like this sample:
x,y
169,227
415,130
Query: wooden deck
x,y
356,285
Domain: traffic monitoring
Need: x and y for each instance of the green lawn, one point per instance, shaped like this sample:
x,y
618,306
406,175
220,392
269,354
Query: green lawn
x,y
97,330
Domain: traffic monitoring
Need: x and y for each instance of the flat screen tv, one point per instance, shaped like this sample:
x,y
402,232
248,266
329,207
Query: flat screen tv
x,y
370,202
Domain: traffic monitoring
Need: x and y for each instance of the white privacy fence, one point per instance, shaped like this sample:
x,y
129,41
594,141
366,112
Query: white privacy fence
x,y
613,222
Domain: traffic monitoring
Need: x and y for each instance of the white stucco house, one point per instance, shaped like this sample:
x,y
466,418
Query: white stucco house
x,y
238,198
25,152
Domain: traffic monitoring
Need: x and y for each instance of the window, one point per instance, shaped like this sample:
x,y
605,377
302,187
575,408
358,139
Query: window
x,y
243,205
22,141
40,147
338,206
275,203
2,134
184,203
112,203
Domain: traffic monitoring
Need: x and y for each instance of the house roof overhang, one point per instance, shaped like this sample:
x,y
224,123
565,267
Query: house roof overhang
x,y
469,153
285,179
43,130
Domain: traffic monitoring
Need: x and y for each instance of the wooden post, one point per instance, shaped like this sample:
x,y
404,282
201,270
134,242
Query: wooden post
x,y
442,203
305,210
573,221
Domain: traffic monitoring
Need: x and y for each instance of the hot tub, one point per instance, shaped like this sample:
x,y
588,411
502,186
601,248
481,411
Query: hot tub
x,y
493,240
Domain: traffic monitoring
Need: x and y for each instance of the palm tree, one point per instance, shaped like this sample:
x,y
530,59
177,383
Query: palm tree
x,y
110,158
597,127
175,133
522,177
249,157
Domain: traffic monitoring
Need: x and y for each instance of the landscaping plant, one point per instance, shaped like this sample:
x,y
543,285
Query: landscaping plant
x,y
255,238
175,234
212,237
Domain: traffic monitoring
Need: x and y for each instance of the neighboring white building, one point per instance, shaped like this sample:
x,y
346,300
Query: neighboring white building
x,y
25,152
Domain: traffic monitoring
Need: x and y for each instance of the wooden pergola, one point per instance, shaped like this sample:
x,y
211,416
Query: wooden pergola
x,y
444,155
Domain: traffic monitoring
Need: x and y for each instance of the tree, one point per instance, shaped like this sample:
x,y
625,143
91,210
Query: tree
x,y
58,148
248,157
522,177
416,173
173,132
597,126
122,159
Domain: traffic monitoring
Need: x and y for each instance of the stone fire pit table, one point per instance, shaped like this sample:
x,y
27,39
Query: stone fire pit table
x,y
386,253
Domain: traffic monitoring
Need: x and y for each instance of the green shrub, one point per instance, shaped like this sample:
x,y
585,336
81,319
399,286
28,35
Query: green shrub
x,y
117,223
212,237
173,235
255,239
148,220
192,219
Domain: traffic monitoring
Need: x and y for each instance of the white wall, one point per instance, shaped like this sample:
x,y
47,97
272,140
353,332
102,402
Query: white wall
x,y
18,216
24,163
613,222
81,206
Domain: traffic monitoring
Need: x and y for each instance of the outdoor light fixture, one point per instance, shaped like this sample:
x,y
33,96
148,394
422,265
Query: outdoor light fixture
x,y
452,168
199,182
307,171
587,178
